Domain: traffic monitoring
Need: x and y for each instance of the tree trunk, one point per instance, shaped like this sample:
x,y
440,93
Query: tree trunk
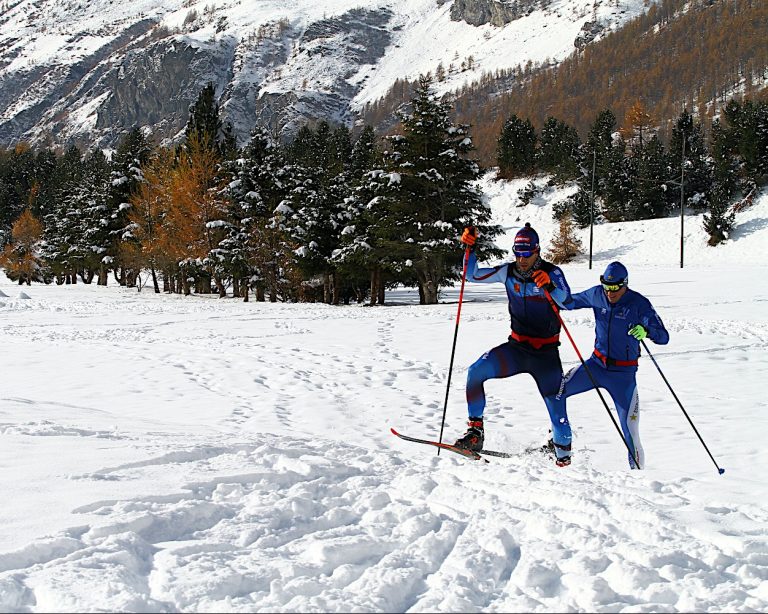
x,y
337,289
236,290
260,296
381,289
326,288
103,275
154,279
374,286
245,293
220,287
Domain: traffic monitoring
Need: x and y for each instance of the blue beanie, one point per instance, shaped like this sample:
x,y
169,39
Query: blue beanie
x,y
526,239
615,273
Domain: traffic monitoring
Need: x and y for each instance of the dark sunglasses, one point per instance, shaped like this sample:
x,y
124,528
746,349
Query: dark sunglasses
x,y
524,254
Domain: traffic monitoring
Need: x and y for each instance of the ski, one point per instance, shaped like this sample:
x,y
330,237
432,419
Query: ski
x,y
471,454
443,446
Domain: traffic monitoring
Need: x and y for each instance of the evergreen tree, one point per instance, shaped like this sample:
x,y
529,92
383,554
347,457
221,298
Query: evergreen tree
x,y
360,257
317,212
698,175
430,196
253,252
747,128
46,184
559,149
516,152
17,178
579,206
132,154
719,220
616,182
206,126
92,239
650,196
61,225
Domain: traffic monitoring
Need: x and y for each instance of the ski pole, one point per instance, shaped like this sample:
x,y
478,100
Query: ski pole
x,y
453,349
720,470
589,373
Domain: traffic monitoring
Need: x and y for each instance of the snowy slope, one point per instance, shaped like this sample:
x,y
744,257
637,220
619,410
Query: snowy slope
x,y
162,453
70,56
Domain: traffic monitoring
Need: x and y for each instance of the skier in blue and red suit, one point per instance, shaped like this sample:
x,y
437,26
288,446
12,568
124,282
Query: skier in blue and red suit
x,y
623,318
532,346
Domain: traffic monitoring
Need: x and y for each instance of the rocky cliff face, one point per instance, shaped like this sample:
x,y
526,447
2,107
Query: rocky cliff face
x,y
495,12
149,76
86,72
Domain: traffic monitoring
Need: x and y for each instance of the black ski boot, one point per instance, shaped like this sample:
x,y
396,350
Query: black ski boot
x,y
473,438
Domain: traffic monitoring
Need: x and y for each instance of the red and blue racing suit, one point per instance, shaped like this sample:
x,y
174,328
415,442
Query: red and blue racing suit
x,y
532,346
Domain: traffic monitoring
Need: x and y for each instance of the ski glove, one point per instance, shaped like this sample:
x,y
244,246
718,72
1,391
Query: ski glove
x,y
470,236
543,280
638,332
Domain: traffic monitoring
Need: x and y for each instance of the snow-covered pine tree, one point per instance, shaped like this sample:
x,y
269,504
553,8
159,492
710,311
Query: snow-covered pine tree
x,y
360,259
60,224
92,239
314,209
132,153
719,220
430,196
253,252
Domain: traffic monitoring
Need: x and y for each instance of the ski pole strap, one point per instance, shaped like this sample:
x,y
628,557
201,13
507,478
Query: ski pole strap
x,y
536,342
610,362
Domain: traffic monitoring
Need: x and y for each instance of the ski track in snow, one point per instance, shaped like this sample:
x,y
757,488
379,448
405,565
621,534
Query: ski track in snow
x,y
204,455
284,524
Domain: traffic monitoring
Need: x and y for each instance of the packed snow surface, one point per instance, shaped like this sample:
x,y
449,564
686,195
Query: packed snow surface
x,y
169,453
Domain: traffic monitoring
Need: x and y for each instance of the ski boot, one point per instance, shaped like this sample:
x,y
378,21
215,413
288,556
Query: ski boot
x,y
561,461
473,438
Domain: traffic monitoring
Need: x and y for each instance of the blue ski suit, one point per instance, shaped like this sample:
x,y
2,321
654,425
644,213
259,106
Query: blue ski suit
x,y
532,346
613,363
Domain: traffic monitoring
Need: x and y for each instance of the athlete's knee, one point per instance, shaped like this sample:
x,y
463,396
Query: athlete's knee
x,y
479,371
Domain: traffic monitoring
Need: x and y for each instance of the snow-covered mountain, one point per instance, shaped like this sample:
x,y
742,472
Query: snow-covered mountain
x,y
87,71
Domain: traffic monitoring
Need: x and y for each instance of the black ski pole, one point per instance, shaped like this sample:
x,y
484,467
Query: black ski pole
x,y
589,373
453,349
720,470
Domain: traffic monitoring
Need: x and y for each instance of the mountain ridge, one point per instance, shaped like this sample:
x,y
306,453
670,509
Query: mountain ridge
x,y
75,72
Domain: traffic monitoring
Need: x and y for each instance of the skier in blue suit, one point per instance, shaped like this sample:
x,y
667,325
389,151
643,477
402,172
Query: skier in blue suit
x,y
623,318
532,346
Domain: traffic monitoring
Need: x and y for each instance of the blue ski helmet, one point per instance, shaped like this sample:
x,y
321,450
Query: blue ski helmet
x,y
526,241
615,273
